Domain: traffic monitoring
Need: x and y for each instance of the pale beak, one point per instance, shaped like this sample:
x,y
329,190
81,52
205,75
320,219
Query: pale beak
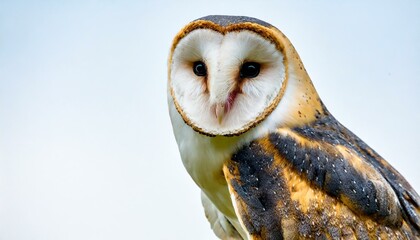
x,y
220,112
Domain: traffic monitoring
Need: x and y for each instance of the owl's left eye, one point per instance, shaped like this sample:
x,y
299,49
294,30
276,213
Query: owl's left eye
x,y
250,70
199,68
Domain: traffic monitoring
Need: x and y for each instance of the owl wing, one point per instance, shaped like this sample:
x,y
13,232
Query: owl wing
x,y
218,222
319,180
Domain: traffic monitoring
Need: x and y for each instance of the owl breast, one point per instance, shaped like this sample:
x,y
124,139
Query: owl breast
x,y
203,158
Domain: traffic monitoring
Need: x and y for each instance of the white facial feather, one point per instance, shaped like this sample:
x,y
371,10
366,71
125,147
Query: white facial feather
x,y
224,56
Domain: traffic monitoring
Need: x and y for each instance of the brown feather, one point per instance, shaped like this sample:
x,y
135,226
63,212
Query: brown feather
x,y
339,192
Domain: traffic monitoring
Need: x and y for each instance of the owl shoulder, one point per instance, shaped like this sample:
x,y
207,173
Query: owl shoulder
x,y
324,171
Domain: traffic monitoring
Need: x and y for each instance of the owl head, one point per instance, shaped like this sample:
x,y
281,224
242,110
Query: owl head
x,y
227,74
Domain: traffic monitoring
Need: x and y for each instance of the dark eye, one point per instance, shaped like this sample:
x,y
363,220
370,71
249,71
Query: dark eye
x,y
250,70
199,68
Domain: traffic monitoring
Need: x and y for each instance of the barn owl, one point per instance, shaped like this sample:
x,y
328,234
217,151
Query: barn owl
x,y
270,159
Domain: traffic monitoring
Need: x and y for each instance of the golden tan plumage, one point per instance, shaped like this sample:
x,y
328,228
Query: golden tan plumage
x,y
348,193
290,170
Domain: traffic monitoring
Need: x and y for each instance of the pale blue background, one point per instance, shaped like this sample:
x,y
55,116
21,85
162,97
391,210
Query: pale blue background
x,y
86,145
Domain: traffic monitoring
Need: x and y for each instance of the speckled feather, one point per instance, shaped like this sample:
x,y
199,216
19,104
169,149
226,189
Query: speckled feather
x,y
305,183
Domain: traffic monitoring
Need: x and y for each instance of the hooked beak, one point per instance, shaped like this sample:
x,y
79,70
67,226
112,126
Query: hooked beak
x,y
222,108
220,112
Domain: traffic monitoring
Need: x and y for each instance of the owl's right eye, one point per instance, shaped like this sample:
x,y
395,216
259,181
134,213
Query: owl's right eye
x,y
200,69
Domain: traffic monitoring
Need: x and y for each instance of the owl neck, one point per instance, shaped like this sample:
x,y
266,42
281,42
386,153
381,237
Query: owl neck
x,y
301,102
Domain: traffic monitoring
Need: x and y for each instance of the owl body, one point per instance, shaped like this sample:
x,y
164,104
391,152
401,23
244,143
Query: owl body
x,y
271,161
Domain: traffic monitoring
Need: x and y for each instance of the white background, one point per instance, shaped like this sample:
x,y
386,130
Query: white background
x,y
86,145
